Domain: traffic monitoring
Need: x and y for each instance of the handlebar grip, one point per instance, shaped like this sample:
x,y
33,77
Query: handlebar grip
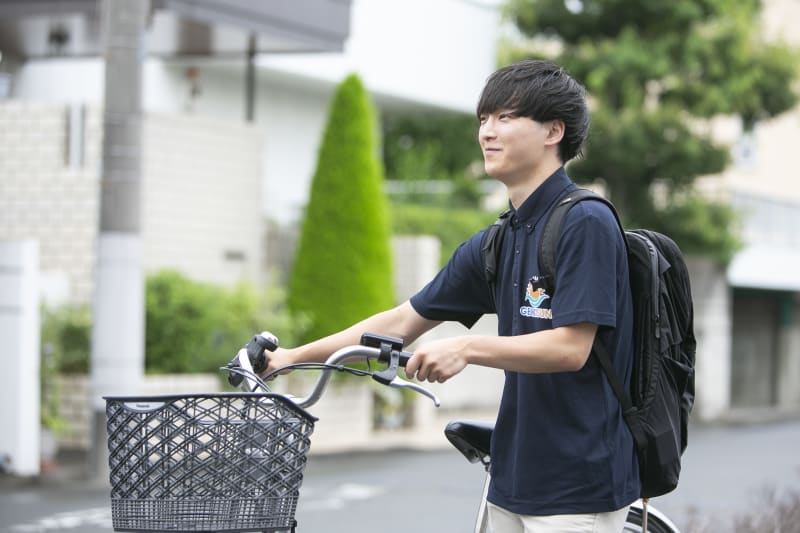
x,y
404,357
257,350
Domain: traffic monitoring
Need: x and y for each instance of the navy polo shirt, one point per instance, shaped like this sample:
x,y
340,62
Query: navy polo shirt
x,y
560,444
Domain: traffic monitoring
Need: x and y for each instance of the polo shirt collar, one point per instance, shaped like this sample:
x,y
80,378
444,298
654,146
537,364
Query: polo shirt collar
x,y
540,200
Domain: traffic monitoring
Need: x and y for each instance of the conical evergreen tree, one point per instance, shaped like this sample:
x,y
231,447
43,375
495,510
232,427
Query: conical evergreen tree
x,y
343,267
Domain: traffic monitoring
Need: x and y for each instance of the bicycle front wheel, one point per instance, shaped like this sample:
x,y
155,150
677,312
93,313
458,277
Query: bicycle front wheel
x,y
657,522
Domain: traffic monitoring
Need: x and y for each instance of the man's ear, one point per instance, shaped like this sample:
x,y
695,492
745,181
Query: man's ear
x,y
555,132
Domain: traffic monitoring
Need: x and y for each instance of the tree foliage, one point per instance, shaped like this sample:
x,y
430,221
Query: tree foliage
x,y
434,146
342,270
655,71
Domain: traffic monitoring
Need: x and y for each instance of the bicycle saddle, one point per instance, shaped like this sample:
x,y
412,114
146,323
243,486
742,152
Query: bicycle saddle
x,y
471,438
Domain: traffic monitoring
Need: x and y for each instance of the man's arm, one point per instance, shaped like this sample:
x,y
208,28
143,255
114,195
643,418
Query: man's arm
x,y
562,349
402,321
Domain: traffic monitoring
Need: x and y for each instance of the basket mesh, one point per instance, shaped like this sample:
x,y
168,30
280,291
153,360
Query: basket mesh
x,y
221,462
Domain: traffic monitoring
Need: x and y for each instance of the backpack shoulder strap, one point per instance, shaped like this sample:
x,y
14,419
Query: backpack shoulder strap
x,y
547,267
623,397
491,245
548,244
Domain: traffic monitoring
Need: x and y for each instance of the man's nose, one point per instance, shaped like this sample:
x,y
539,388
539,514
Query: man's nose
x,y
486,130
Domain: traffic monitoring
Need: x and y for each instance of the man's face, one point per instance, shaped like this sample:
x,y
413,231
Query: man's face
x,y
513,146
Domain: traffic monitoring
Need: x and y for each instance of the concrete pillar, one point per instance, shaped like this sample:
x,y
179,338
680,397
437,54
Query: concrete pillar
x,y
416,262
712,325
19,357
788,371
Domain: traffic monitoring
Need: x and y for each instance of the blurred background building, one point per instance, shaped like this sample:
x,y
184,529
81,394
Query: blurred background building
x,y
234,97
233,111
219,161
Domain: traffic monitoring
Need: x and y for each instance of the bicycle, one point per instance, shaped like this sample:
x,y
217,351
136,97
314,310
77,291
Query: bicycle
x,y
235,461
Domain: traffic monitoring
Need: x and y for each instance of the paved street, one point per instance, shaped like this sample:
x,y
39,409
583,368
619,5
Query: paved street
x,y
726,468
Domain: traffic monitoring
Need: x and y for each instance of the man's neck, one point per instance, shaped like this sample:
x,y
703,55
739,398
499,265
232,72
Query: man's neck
x,y
519,191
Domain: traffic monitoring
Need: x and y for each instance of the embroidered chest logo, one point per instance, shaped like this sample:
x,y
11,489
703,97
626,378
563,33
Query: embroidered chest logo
x,y
535,295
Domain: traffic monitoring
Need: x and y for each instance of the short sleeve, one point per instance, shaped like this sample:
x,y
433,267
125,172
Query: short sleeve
x,y
588,262
459,292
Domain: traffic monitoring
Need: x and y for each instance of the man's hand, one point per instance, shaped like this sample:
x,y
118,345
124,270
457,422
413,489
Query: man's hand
x,y
278,359
438,361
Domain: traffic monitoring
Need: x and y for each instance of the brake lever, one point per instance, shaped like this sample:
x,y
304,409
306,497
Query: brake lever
x,y
399,383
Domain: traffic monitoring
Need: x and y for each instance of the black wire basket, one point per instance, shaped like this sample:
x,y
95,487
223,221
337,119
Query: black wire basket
x,y
214,462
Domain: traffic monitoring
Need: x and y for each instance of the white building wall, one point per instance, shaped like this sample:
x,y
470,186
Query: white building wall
x,y
201,185
46,198
202,208
19,357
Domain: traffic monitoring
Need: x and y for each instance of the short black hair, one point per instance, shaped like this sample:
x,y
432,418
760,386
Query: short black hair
x,y
542,91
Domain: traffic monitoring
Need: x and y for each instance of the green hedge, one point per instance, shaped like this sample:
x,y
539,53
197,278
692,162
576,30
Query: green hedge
x,y
197,327
190,326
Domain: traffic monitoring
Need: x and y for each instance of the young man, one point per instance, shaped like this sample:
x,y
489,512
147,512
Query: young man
x,y
562,457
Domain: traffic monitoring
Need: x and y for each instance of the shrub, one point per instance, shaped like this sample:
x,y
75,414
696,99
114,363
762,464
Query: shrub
x,y
66,339
190,326
65,344
198,327
451,226
343,268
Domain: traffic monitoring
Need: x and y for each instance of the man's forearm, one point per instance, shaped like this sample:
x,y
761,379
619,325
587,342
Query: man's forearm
x,y
401,321
562,349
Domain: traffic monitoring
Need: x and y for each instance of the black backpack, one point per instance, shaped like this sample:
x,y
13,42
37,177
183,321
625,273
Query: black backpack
x,y
661,395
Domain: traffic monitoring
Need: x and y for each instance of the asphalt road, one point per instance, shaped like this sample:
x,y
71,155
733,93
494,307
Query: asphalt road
x,y
726,472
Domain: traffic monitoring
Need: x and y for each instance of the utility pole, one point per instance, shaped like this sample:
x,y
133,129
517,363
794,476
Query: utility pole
x,y
117,356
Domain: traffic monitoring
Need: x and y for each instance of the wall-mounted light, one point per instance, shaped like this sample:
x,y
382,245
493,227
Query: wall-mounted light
x,y
57,39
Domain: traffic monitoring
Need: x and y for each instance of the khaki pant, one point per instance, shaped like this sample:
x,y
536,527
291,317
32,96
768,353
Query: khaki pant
x,y
502,521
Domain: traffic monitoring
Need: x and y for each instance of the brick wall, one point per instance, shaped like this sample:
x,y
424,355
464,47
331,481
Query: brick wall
x,y
201,185
202,197
46,196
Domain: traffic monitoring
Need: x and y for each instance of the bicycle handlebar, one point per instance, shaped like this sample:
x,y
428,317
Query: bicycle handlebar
x,y
243,370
